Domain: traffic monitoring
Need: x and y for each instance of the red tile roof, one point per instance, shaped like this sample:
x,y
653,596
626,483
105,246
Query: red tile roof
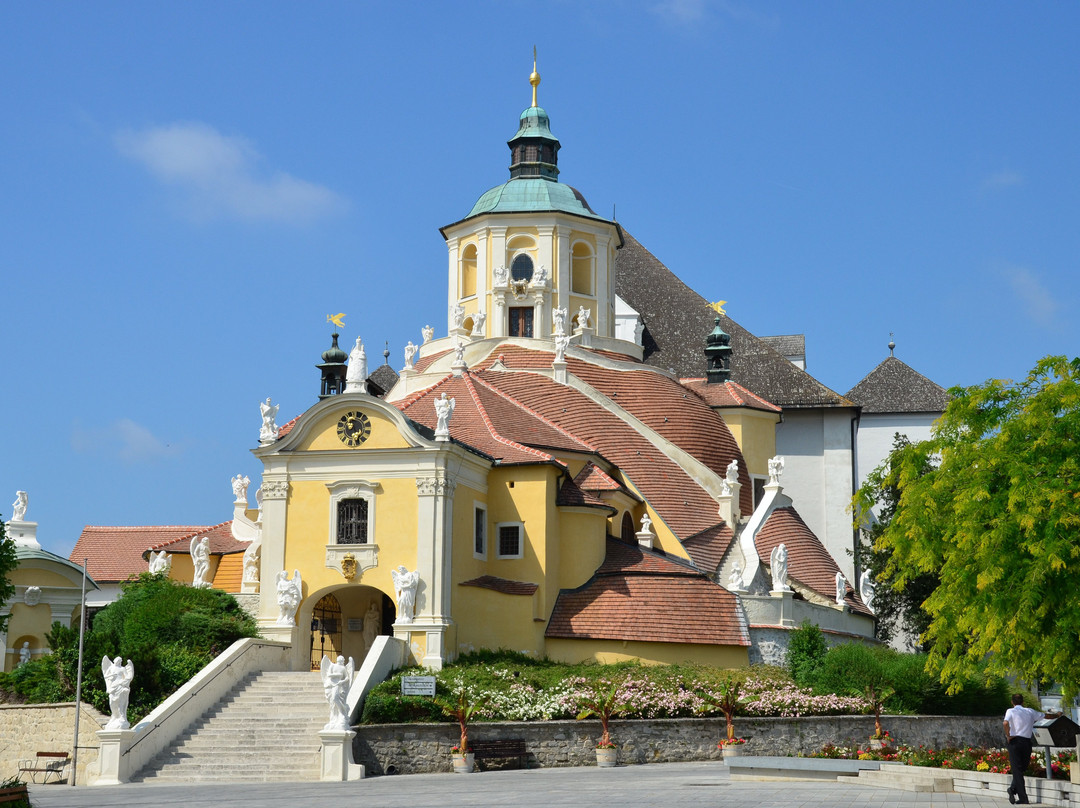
x,y
502,585
571,494
114,554
809,563
593,478
221,541
728,394
642,596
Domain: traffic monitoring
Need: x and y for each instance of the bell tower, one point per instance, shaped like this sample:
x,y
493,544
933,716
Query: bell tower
x,y
532,258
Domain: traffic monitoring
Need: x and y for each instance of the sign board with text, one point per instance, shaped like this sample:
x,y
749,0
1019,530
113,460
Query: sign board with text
x,y
418,685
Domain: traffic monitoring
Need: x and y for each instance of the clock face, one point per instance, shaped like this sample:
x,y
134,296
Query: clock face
x,y
353,428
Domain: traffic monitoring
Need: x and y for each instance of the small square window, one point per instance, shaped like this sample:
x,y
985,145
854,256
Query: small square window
x,y
510,543
352,523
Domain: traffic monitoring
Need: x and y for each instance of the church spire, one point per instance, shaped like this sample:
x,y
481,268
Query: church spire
x,y
534,151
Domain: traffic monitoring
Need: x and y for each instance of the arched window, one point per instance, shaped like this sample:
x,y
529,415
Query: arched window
x,y
581,269
522,268
628,533
468,271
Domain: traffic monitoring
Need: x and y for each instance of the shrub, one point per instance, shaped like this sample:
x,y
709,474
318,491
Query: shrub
x,y
806,650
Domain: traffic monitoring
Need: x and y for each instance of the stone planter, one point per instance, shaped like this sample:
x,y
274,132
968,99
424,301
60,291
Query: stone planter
x,y
733,750
876,743
463,764
607,758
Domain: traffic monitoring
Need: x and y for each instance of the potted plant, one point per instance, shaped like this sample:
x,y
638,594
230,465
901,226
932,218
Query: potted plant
x,y
461,710
604,704
727,697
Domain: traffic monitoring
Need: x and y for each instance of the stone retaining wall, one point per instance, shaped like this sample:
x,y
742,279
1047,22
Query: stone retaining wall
x,y
26,729
415,748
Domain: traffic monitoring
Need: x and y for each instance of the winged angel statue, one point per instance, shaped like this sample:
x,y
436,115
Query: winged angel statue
x,y
336,679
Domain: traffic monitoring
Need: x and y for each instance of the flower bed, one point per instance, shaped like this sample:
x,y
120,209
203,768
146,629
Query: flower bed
x,y
995,761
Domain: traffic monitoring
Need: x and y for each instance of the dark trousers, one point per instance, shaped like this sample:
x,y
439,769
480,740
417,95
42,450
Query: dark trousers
x,y
1019,758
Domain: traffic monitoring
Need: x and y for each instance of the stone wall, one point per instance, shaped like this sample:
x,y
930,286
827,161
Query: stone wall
x,y
26,729
414,748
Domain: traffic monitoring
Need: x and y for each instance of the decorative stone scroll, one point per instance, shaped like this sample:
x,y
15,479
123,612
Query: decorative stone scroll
x,y
275,489
432,486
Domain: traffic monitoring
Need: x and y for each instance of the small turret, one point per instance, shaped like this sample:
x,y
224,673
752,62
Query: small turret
x,y
333,369
718,355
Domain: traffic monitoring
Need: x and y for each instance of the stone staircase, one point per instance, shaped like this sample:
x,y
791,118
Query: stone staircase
x,y
906,778
265,730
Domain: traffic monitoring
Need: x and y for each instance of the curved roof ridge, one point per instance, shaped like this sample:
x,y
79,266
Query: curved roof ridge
x,y
480,408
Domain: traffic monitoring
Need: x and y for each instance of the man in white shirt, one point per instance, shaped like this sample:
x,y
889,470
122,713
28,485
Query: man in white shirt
x,y
1019,725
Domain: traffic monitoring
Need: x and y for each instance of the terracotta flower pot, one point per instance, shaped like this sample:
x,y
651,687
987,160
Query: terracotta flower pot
x,y
463,764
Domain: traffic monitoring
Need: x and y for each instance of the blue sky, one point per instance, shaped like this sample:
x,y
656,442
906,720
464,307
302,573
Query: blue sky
x,y
188,189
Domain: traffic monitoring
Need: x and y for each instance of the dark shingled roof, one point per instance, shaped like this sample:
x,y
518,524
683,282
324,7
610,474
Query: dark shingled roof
x,y
678,319
787,344
384,377
894,387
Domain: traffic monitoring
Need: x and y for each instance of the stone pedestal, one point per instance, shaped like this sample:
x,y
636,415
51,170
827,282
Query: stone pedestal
x,y
584,336
271,630
559,369
24,534
787,601
337,758
113,764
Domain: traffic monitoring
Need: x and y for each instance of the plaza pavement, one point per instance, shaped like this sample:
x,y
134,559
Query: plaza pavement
x,y
657,785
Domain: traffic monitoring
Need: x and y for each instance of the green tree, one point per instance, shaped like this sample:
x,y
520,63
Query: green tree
x,y
898,606
998,520
806,650
8,562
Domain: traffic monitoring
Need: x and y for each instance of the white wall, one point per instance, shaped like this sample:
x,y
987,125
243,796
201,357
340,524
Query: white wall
x,y
818,460
876,432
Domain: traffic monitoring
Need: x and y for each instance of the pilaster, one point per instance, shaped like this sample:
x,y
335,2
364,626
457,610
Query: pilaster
x,y
113,762
275,492
561,272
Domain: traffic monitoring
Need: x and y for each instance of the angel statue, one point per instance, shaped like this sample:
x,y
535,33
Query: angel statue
x,y
240,485
19,506
428,333
405,584
776,468
735,578
268,432
583,315
118,678
444,408
336,680
289,594
160,563
778,567
866,589
558,319
410,355
841,589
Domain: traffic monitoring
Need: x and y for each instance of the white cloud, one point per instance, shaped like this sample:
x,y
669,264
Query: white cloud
x,y
1002,179
219,175
122,440
1034,299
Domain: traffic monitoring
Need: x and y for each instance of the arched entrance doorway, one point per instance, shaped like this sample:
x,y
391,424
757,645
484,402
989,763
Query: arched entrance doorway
x,y
326,630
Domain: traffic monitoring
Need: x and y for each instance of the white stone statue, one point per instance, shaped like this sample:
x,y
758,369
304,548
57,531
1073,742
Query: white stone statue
x,y
336,679
778,567
372,624
459,353
457,316
410,354
540,277
32,595
501,276
251,562
444,408
160,563
240,485
258,504
479,319
583,315
405,584
356,374
269,430
289,593
561,344
866,589
19,506
776,468
732,472
118,679
841,589
428,333
200,559
558,319
735,577
646,524
639,331
24,653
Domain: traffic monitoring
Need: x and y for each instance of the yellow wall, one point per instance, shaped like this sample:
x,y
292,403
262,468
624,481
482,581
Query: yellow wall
x,y
583,545
323,437
648,653
755,432
494,620
31,576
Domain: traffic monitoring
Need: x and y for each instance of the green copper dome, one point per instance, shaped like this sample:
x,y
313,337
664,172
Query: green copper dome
x,y
533,195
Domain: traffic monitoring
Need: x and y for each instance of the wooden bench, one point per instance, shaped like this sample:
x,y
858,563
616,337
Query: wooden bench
x,y
16,794
501,749
47,764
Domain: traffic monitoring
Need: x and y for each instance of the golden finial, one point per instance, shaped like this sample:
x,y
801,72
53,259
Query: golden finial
x,y
534,78
718,307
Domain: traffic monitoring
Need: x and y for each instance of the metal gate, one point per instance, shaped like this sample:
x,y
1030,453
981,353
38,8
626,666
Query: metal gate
x,y
325,630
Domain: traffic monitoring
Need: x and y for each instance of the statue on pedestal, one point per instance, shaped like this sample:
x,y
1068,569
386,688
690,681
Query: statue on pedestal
x,y
428,333
410,355
240,485
356,373
776,468
268,432
19,506
337,679
200,559
289,595
24,653
866,589
118,679
405,584
444,408
778,567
